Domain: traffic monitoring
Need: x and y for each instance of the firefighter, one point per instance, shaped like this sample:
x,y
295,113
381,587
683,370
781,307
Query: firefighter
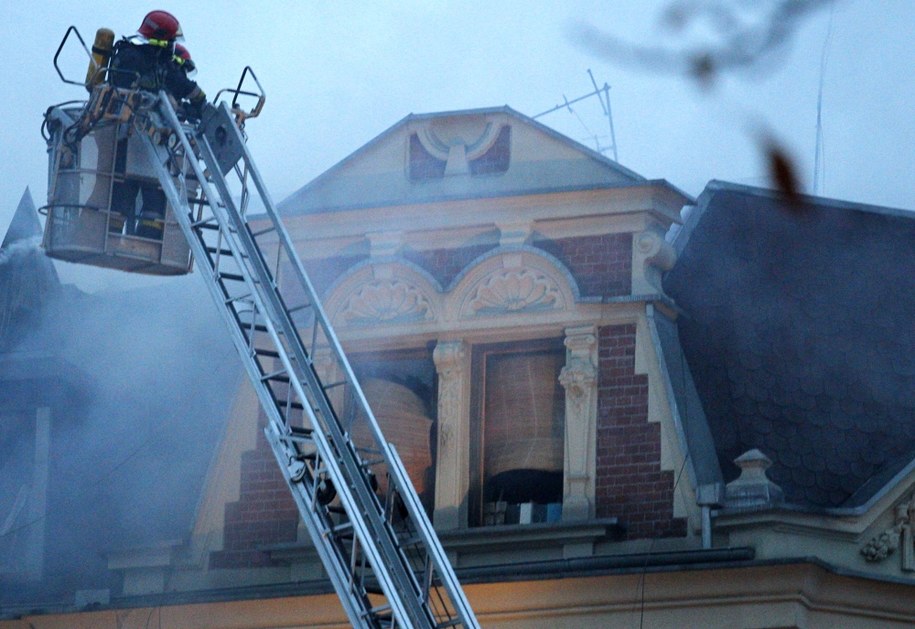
x,y
182,59
145,61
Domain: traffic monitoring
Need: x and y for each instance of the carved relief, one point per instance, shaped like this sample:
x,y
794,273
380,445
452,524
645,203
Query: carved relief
x,y
900,535
387,300
449,361
578,377
513,291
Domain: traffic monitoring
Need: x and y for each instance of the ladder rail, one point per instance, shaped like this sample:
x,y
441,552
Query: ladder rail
x,y
399,587
408,594
334,564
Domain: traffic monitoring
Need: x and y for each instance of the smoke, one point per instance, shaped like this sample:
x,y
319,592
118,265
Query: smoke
x,y
139,384
19,248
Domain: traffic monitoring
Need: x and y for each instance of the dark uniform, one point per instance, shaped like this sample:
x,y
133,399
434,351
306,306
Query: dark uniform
x,y
138,64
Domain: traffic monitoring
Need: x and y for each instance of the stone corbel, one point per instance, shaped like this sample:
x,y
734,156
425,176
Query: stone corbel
x,y
514,234
651,256
384,244
579,379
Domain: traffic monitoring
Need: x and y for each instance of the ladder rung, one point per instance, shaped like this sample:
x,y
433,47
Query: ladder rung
x,y
275,375
295,309
414,540
384,610
263,231
287,404
207,223
231,276
267,353
344,527
222,252
334,384
243,297
301,431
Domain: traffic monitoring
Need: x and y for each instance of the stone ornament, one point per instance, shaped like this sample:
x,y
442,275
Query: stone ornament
x,y
900,535
514,291
389,301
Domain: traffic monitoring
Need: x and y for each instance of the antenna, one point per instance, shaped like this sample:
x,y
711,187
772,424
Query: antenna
x,y
819,153
603,95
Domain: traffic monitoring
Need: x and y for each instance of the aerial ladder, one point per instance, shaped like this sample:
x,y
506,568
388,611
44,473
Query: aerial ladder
x,y
363,515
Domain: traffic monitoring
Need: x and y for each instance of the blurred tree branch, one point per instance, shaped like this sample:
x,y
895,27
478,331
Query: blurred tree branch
x,y
712,37
736,34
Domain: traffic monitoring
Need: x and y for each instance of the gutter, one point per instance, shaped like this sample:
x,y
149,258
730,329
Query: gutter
x,y
509,572
587,566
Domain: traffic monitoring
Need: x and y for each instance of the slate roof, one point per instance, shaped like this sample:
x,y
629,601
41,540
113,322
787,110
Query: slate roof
x,y
798,330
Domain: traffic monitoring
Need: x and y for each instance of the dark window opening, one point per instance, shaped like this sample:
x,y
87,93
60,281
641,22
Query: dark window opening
x,y
496,159
518,423
423,165
400,389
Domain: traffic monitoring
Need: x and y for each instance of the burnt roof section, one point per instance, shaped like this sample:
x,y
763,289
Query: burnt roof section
x,y
798,331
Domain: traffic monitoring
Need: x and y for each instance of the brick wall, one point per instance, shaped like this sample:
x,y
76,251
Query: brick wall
x,y
630,483
264,514
445,264
602,265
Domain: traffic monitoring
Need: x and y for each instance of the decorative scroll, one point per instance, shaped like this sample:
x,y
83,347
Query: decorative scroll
x,y
388,301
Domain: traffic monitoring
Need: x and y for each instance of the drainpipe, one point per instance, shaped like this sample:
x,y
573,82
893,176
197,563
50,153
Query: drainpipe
x,y
709,497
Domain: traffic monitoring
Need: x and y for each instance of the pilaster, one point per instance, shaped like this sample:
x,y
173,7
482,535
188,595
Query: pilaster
x,y
452,462
579,378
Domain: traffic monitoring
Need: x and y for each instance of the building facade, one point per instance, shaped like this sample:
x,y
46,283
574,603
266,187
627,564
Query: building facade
x,y
608,415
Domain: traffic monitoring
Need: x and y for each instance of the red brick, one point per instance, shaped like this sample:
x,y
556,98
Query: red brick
x,y
630,483
601,265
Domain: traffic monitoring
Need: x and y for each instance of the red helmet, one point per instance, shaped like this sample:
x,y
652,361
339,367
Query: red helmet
x,y
182,57
160,25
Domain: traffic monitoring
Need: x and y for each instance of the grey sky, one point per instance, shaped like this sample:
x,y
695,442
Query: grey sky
x,y
339,73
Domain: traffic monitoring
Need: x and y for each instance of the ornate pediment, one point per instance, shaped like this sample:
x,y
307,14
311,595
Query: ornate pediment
x,y
512,283
389,293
